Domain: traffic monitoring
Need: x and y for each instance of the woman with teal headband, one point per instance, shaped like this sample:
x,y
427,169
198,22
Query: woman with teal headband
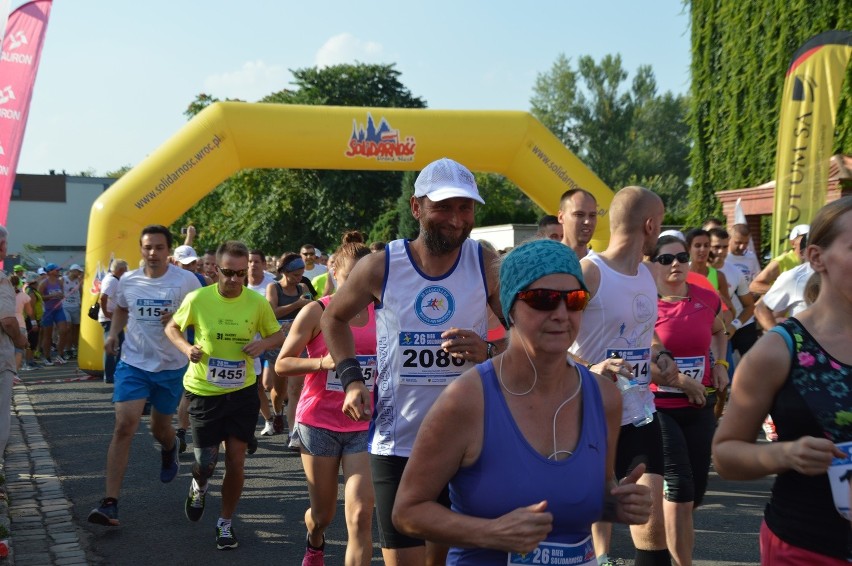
x,y
533,475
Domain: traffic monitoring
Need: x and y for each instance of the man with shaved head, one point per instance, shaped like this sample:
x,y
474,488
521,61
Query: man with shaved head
x,y
617,337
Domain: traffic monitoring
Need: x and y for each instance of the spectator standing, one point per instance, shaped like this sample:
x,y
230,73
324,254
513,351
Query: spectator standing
x,y
10,338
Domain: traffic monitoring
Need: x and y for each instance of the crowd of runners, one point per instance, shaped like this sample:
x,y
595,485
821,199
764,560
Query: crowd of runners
x,y
493,410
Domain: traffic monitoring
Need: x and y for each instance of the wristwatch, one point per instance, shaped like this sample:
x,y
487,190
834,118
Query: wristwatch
x,y
490,349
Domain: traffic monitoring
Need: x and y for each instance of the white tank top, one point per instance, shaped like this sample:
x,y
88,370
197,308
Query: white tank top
x,y
412,368
620,319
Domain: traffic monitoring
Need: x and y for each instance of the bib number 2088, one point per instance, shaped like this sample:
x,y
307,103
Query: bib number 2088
x,y
427,358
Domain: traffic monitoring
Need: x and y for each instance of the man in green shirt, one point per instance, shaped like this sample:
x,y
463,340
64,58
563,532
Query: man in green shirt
x,y
220,380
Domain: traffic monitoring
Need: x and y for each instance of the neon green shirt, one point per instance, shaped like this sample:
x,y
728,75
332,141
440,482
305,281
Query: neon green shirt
x,y
788,260
222,328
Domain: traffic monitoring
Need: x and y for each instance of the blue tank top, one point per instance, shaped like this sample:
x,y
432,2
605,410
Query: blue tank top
x,y
52,304
510,473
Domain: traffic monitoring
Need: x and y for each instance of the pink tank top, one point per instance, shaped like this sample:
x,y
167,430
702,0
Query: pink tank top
x,y
321,402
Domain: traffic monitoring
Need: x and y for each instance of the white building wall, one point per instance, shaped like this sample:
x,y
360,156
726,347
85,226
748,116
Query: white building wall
x,y
504,235
65,224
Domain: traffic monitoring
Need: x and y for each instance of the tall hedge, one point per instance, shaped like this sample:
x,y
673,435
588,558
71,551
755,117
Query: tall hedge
x,y
740,54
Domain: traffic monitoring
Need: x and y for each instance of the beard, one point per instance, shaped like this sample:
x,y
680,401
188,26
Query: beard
x,y
438,244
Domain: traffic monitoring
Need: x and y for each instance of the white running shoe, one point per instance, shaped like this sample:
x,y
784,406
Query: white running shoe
x,y
268,429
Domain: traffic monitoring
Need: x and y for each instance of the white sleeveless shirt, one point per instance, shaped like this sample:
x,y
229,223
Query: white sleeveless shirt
x,y
412,368
620,319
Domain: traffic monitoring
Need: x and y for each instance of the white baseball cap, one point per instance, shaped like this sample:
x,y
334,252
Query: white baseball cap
x,y
185,254
75,266
676,233
445,179
799,230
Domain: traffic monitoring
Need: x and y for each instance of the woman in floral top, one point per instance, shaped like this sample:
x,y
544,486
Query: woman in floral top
x,y
801,374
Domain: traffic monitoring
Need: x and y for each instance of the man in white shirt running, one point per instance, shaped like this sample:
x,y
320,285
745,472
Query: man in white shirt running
x,y
432,296
617,337
150,367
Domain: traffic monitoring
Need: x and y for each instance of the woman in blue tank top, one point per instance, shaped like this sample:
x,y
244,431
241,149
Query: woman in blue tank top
x,y
526,441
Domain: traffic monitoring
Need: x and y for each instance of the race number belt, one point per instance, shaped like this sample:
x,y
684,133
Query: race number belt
x,y
226,373
149,311
580,554
368,370
639,360
424,362
692,367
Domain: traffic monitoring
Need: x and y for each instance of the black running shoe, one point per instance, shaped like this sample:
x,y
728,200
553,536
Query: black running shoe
x,y
106,514
194,506
251,447
225,539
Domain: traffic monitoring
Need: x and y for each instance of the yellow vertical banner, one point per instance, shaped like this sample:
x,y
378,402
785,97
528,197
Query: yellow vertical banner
x,y
806,131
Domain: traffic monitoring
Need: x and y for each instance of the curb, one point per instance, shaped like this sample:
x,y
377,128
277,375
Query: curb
x,y
35,509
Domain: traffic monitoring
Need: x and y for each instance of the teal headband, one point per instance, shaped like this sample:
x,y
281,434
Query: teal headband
x,y
531,261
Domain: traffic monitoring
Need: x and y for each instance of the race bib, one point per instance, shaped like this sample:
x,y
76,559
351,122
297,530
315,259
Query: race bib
x,y
839,476
226,373
368,370
424,362
639,360
690,366
580,554
149,311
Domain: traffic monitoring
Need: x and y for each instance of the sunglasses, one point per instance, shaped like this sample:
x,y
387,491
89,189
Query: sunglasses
x,y
549,299
232,272
668,259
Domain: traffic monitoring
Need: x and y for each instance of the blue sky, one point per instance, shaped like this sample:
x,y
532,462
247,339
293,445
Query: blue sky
x,y
115,77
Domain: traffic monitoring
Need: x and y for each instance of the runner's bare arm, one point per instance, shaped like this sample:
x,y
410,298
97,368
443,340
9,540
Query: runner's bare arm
x,y
119,321
363,286
304,329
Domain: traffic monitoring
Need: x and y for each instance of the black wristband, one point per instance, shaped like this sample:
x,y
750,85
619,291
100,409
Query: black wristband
x,y
663,353
349,370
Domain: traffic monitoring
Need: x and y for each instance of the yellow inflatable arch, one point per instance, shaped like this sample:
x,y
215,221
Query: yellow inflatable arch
x,y
229,136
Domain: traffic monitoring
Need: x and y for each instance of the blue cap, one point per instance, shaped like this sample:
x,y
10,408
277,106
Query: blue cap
x,y
51,267
531,261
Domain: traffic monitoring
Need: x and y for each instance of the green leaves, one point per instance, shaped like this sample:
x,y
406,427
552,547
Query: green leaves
x,y
740,55
626,135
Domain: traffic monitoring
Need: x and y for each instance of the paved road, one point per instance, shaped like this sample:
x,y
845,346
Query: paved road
x,y
76,421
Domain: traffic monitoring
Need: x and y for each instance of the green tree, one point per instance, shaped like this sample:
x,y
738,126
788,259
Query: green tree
x,y
740,56
626,134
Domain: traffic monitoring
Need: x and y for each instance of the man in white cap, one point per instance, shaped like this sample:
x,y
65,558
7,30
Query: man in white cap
x,y
186,258
784,262
434,293
72,281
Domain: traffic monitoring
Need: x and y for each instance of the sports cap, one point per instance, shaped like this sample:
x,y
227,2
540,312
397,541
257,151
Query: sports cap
x,y
445,179
799,230
185,255
75,267
676,233
50,267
